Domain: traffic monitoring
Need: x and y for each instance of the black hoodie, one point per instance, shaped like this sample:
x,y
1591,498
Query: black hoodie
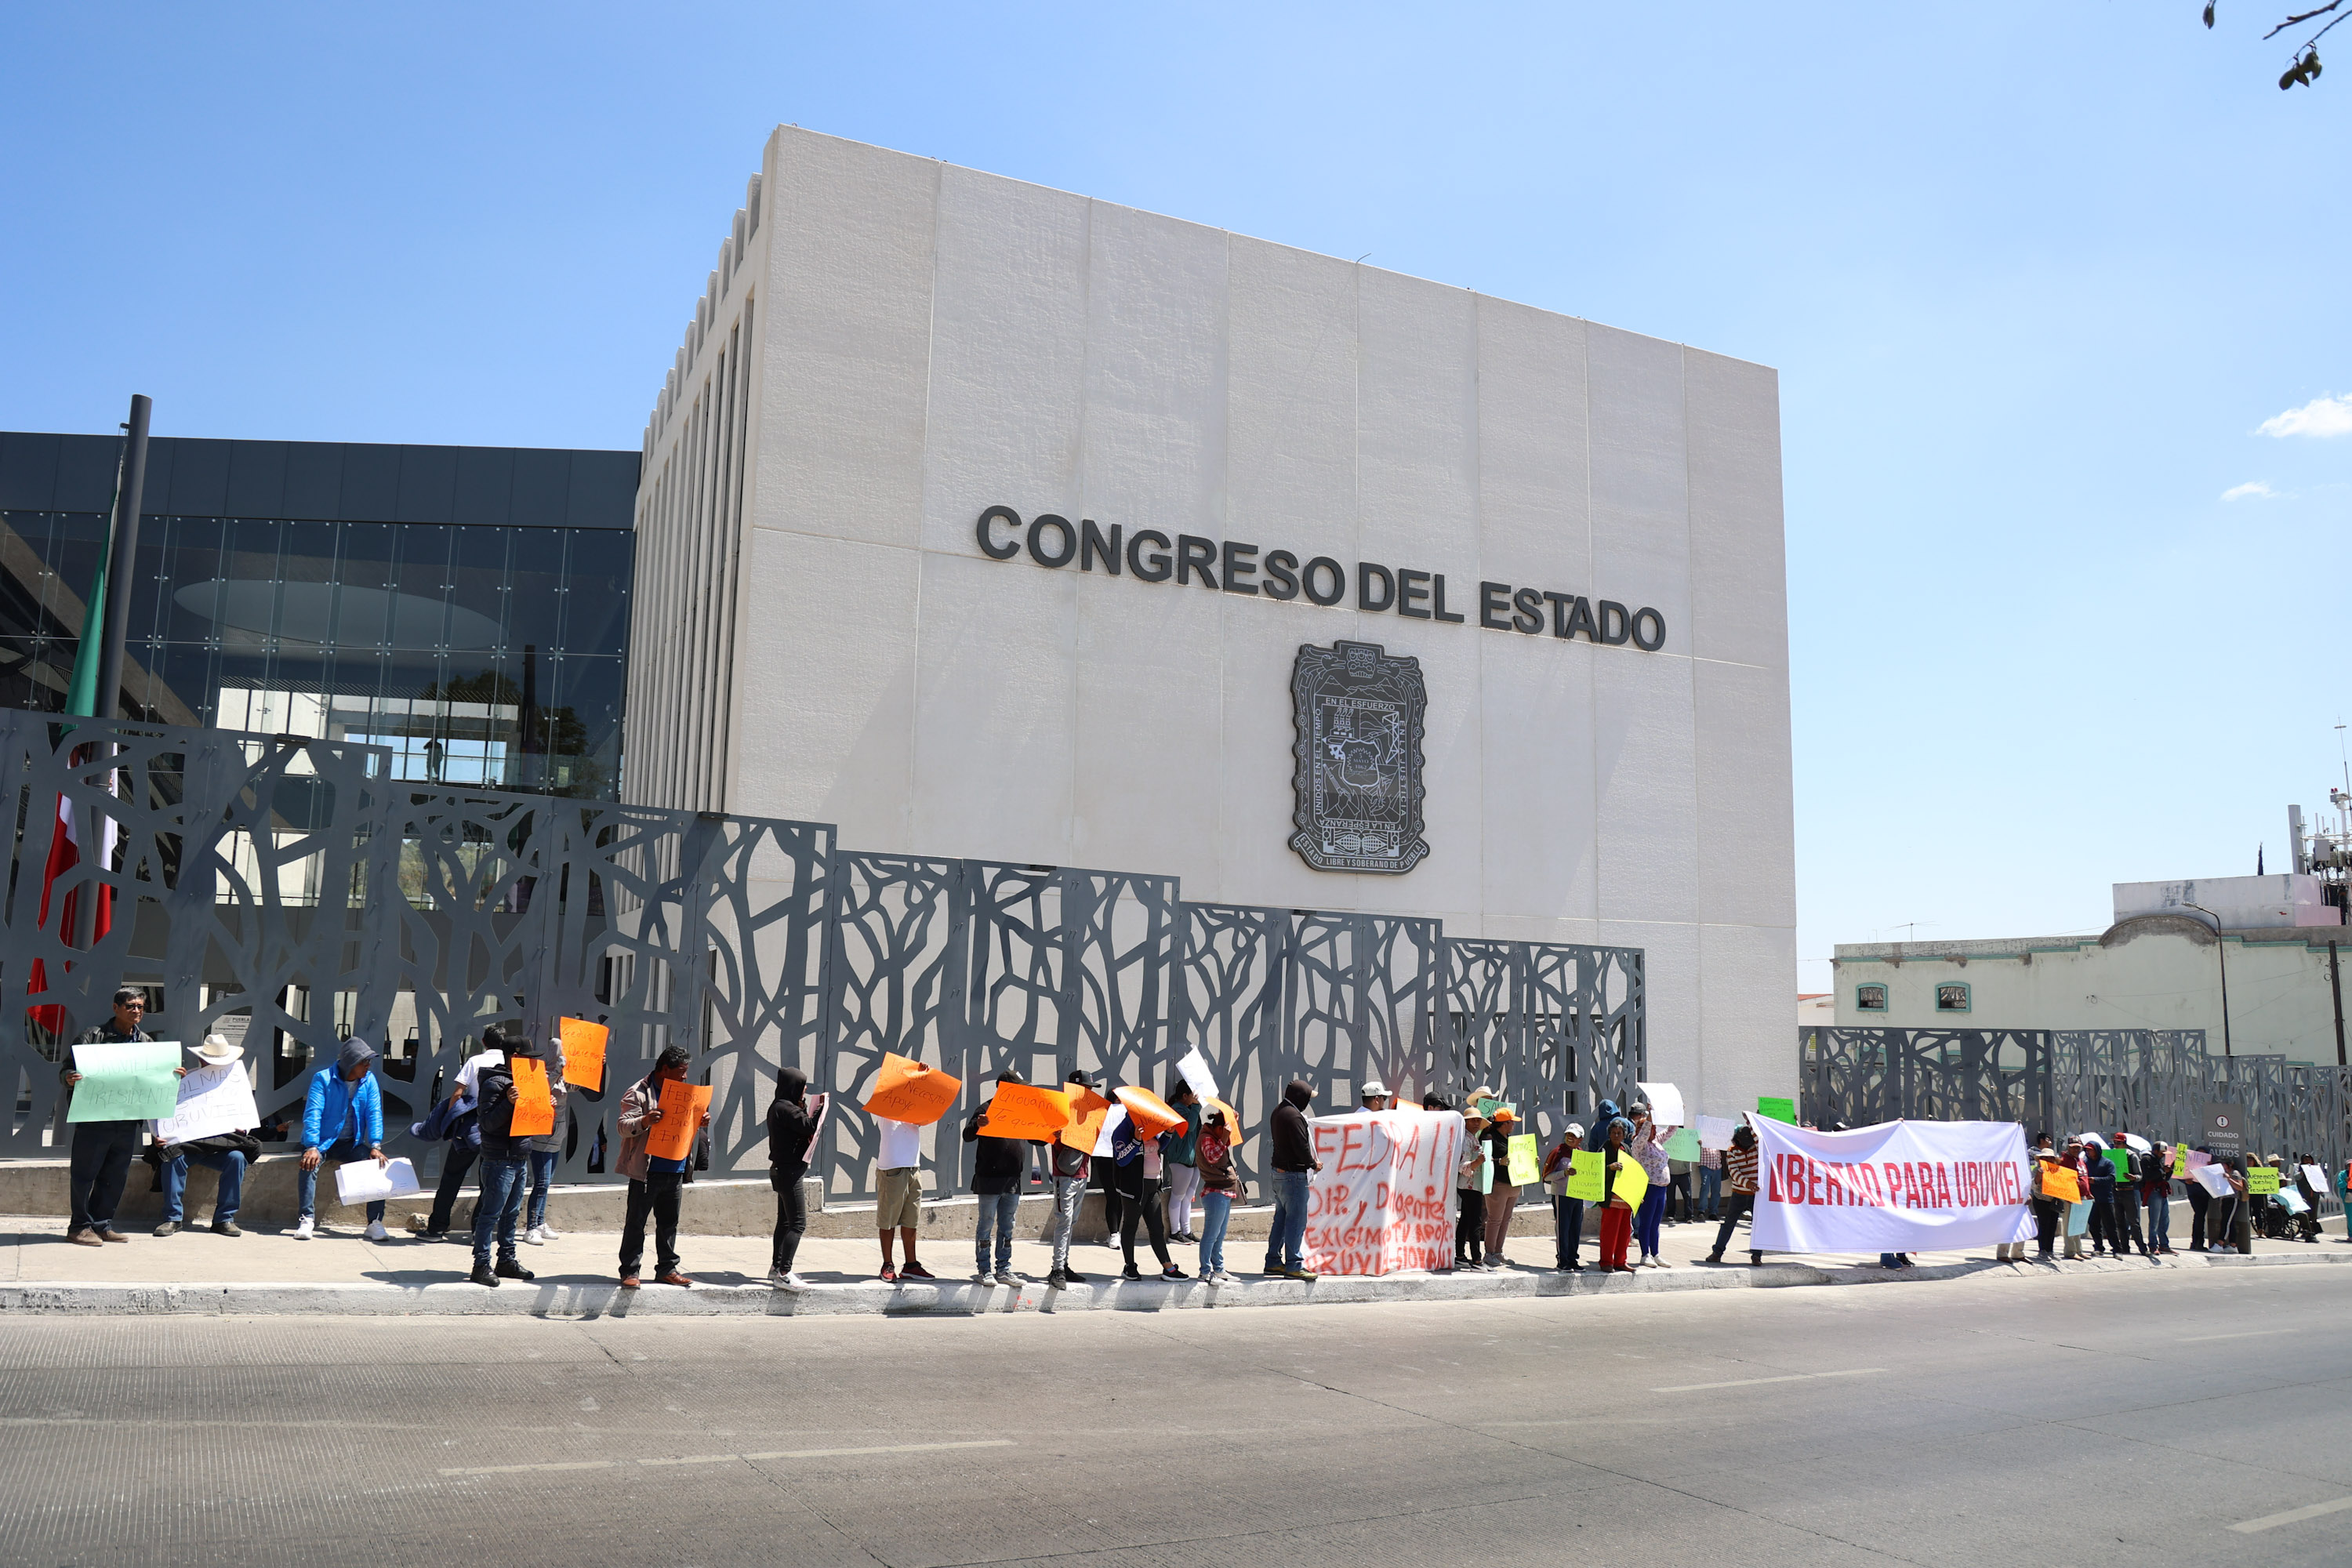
x,y
790,1127
1294,1150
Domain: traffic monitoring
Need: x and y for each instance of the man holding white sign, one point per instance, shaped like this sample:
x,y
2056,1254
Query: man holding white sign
x,y
212,1126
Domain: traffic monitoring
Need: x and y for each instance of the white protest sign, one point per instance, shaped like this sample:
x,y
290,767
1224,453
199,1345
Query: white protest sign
x,y
1113,1119
212,1100
1666,1104
1194,1070
362,1182
2216,1180
1715,1131
1384,1201
2317,1178
1899,1186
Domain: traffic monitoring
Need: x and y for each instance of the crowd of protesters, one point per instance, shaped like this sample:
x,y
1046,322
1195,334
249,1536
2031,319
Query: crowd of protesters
x,y
2093,1196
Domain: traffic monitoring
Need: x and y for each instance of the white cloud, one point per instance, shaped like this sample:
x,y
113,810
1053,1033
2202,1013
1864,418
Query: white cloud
x,y
2252,489
2323,416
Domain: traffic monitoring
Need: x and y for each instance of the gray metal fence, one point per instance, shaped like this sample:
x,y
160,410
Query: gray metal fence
x,y
293,891
2155,1082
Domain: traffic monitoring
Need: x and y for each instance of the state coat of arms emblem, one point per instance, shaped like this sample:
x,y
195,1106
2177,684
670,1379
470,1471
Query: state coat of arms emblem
x,y
1359,713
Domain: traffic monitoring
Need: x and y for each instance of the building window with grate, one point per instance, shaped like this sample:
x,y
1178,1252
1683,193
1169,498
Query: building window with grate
x,y
1952,997
1870,998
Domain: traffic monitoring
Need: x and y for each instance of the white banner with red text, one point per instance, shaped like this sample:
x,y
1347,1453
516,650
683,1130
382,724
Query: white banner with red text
x,y
1384,1201
1900,1186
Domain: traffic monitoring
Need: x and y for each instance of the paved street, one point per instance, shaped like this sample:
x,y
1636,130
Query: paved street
x,y
1991,1421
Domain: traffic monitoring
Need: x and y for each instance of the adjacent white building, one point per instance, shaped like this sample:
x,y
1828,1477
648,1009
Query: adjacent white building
x,y
889,347
2162,965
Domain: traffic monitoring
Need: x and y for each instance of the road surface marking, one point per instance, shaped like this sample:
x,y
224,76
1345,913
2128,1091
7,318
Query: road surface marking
x,y
1750,1382
2246,1334
2292,1516
731,1459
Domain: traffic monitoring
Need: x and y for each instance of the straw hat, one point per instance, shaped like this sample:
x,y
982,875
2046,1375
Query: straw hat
x,y
216,1049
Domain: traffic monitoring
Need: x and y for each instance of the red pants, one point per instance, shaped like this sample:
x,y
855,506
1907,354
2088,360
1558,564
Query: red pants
x,y
1616,1234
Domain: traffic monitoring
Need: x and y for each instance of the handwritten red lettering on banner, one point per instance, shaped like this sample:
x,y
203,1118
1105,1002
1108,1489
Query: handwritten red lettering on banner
x,y
1384,1201
1794,1178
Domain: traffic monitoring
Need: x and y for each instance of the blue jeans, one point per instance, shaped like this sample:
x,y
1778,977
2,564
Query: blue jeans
x,y
997,1212
497,1207
305,1183
1286,1242
1645,1221
1568,1230
228,1163
1219,1208
1710,1191
543,1175
2159,1220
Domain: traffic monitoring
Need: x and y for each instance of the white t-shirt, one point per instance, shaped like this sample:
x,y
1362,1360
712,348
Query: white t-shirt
x,y
902,1145
469,1076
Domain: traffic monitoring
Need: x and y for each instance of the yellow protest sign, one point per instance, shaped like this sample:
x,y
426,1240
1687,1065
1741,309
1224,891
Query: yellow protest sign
x,y
1633,1184
1588,1176
2261,1179
1526,1163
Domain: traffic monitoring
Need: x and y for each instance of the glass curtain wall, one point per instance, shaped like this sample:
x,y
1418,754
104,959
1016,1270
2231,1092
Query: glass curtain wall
x,y
493,657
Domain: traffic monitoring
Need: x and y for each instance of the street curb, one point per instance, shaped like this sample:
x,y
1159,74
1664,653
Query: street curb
x,y
959,1299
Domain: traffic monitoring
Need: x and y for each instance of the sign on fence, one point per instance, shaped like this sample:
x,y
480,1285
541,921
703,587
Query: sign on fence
x,y
1900,1186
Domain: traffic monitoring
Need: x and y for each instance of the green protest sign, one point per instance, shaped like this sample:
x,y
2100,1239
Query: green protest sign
x,y
2121,1160
1777,1109
1682,1145
2261,1179
128,1080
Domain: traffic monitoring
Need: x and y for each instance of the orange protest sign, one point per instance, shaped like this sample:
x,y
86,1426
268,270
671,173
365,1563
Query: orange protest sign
x,y
908,1091
1150,1114
2057,1182
683,1107
534,1109
1024,1111
1232,1118
583,1052
1088,1110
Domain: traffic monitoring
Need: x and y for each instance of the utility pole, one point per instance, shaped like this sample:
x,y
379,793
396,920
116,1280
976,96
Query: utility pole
x,y
2221,952
122,561
2335,987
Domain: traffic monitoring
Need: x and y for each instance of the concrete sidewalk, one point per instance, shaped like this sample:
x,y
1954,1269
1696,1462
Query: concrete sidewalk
x,y
267,1272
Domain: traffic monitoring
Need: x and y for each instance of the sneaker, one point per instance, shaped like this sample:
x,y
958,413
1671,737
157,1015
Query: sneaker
x,y
169,1227
1056,1281
511,1269
548,1233
534,1236
226,1228
1072,1277
674,1278
1224,1279
304,1229
1006,1277
1173,1272
983,1275
1131,1272
1660,1263
417,1223
915,1270
485,1275
889,1274
375,1231
784,1279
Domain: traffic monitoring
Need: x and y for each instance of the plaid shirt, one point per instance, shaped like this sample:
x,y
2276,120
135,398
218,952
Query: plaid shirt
x,y
1739,1168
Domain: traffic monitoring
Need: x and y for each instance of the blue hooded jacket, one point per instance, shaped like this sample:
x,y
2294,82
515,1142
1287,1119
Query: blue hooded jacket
x,y
332,1102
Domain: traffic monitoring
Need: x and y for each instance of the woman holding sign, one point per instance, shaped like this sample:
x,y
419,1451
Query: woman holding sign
x,y
1617,1218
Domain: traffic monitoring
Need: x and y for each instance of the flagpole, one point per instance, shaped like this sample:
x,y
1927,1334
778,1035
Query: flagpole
x,y
122,559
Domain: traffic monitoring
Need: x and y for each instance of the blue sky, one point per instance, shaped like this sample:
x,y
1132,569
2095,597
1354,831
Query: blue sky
x,y
2034,278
